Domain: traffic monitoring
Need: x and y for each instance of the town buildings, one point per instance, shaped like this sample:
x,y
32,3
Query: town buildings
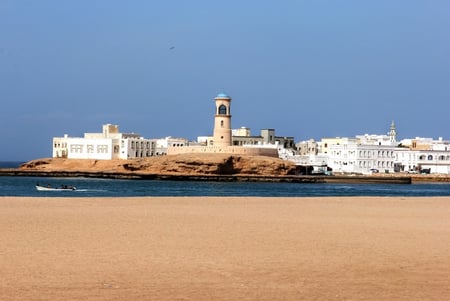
x,y
362,154
111,144
424,155
223,141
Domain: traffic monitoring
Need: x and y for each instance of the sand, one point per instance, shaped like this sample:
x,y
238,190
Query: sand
x,y
207,248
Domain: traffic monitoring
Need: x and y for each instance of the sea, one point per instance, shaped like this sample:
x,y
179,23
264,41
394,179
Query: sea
x,y
10,164
94,187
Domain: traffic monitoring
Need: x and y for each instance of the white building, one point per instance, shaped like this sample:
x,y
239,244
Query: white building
x,y
362,154
433,161
350,156
162,145
110,144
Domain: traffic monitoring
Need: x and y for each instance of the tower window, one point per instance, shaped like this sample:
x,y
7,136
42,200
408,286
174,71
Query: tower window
x,y
221,123
222,110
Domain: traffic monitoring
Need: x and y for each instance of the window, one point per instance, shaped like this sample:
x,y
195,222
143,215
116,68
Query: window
x,y
102,149
221,123
222,110
76,148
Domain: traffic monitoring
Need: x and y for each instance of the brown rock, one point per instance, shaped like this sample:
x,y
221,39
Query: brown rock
x,y
182,164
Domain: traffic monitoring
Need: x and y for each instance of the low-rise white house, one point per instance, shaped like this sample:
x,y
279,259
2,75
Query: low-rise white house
x,y
420,160
110,144
163,145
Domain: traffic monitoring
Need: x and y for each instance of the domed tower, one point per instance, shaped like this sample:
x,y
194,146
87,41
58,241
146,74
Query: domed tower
x,y
222,121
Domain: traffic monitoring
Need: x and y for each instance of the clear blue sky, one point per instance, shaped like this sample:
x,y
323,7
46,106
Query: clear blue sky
x,y
308,69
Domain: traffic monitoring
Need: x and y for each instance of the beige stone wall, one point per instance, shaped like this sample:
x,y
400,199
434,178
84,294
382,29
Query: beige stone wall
x,y
235,150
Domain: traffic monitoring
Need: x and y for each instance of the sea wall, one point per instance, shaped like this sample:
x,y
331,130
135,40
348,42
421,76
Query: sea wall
x,y
232,150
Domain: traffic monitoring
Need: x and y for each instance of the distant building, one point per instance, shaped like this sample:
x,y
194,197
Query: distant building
x,y
163,144
110,144
350,156
419,143
419,154
362,154
309,147
223,141
242,137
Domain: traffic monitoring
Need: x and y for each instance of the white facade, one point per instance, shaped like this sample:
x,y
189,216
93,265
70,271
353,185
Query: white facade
x,y
376,140
368,153
110,144
417,160
350,156
163,145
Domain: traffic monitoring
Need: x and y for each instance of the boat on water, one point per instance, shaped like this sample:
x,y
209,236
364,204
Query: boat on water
x,y
50,188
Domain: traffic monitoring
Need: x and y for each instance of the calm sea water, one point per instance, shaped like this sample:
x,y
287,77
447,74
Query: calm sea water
x,y
88,187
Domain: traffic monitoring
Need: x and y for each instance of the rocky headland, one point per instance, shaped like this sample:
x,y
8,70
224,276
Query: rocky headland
x,y
197,167
171,165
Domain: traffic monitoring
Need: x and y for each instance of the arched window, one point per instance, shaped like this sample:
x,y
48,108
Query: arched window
x,y
221,123
430,157
222,110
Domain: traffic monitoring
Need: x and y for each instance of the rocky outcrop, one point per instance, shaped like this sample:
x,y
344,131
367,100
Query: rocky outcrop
x,y
192,167
182,164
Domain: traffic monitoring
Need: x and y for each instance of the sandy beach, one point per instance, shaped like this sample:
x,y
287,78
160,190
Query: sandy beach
x,y
211,248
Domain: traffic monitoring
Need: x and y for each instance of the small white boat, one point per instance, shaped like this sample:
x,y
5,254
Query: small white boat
x,y
49,188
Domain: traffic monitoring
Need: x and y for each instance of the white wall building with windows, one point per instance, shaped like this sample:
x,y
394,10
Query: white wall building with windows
x,y
163,145
434,161
110,144
350,156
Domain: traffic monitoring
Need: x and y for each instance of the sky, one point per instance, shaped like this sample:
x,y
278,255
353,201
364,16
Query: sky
x,y
308,69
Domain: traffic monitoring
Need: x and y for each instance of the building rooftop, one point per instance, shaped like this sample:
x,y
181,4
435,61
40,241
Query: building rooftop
x,y
223,95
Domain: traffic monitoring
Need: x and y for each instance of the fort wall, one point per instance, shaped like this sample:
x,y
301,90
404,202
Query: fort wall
x,y
234,150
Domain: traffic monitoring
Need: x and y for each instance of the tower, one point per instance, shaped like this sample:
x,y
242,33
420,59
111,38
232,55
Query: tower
x,y
222,121
392,133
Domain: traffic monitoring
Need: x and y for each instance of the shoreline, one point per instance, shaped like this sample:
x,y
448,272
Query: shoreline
x,y
345,179
369,179
225,248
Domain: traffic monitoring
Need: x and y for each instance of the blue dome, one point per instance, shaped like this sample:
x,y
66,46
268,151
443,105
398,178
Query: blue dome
x,y
223,95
